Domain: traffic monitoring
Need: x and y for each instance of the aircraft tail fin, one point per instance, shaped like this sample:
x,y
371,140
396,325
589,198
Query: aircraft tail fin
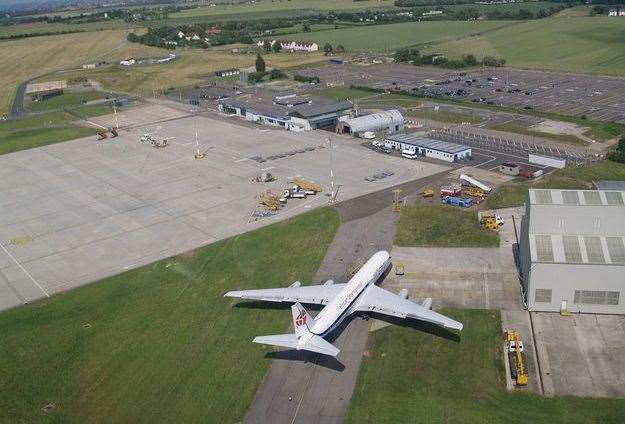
x,y
301,319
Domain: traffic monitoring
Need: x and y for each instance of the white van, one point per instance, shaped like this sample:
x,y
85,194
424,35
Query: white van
x,y
410,154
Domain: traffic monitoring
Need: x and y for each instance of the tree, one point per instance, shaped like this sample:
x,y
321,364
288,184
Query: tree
x,y
469,60
277,47
339,49
260,63
267,46
327,49
276,74
306,27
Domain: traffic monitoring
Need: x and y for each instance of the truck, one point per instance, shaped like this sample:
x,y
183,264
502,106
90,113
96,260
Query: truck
x,y
474,192
463,202
451,190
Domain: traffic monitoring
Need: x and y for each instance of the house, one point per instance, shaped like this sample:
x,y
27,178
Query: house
x,y
213,31
171,43
195,37
305,46
432,13
613,12
181,34
128,62
228,72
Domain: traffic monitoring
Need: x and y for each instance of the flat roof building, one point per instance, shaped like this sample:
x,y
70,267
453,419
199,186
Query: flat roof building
x,y
420,144
572,251
389,121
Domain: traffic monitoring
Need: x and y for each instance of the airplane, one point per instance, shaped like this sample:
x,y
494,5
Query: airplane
x,y
360,294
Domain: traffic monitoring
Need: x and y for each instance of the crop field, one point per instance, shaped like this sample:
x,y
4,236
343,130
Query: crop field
x,y
514,193
159,343
430,226
45,54
44,27
387,38
427,375
564,43
532,6
274,6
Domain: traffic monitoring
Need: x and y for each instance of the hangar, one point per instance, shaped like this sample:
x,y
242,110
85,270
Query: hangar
x,y
389,121
572,251
420,144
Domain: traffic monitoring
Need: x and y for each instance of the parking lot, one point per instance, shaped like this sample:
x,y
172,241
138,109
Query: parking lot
x,y
596,97
75,212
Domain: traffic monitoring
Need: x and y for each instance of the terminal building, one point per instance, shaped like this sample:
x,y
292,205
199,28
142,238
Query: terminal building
x,y
290,112
419,144
389,121
572,251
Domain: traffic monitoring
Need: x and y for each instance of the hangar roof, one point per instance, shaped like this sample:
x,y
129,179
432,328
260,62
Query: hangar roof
x,y
374,121
577,226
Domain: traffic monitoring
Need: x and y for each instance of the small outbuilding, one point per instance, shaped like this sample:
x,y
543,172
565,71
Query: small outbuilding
x,y
389,121
419,144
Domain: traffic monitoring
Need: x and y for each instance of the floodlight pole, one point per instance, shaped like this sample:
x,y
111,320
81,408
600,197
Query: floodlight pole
x,y
332,194
115,113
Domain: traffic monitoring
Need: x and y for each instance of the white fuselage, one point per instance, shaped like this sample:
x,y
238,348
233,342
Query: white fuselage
x,y
345,302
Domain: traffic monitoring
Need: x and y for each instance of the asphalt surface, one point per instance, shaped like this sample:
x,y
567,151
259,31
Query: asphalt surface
x,y
303,387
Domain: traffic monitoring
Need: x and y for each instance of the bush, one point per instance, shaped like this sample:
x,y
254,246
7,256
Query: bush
x,y
260,64
276,74
254,77
302,78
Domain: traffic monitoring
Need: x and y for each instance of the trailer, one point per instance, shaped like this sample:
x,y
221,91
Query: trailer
x,y
463,202
547,161
472,181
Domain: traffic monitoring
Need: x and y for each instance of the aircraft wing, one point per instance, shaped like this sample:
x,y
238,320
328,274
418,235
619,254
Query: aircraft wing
x,y
318,294
376,299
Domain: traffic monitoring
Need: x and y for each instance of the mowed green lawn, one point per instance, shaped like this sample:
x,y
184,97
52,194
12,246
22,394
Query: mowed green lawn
x,y
514,193
563,43
387,38
442,226
67,99
159,343
412,376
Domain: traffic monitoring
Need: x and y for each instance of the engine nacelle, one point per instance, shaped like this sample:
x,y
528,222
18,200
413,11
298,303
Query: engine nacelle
x,y
328,283
295,284
403,293
427,303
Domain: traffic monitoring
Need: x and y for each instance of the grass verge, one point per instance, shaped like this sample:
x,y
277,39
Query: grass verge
x,y
64,100
412,376
514,193
444,116
159,343
442,226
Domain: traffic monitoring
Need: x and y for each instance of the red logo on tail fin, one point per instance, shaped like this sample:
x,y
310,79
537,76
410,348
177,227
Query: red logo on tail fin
x,y
301,319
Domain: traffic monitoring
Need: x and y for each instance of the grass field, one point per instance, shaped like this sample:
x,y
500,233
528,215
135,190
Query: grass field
x,y
442,226
563,43
444,116
159,343
519,129
44,27
514,193
412,376
387,38
28,58
276,6
47,128
67,99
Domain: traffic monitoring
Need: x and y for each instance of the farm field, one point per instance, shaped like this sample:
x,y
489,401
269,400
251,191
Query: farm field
x,y
532,6
562,43
410,375
44,27
159,343
275,6
514,193
429,226
387,38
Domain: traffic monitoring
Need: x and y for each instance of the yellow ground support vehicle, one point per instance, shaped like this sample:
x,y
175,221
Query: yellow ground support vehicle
x,y
489,223
428,192
514,348
306,185
473,192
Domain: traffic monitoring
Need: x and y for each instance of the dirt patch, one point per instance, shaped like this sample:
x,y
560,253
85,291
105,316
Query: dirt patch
x,y
560,127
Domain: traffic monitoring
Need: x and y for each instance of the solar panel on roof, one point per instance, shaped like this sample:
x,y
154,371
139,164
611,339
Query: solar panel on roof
x,y
616,248
572,251
543,197
570,198
594,250
592,197
544,249
614,198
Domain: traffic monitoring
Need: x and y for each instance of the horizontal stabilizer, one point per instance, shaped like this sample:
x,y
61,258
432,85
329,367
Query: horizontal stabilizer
x,y
314,343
